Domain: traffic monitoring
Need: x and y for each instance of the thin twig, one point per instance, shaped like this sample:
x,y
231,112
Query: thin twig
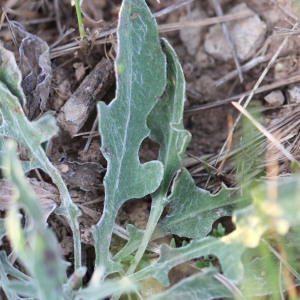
x,y
283,9
171,8
264,88
57,17
246,67
205,22
70,47
265,132
284,262
88,142
62,36
286,126
75,45
229,285
219,12
29,22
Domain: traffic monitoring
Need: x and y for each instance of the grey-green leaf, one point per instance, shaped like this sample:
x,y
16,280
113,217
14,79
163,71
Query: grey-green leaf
x,y
5,270
11,270
141,79
134,240
97,291
30,135
227,251
165,120
36,246
201,286
24,289
10,74
194,210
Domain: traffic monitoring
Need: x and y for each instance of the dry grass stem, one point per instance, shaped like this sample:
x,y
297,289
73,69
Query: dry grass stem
x,y
286,128
264,88
71,47
265,132
205,22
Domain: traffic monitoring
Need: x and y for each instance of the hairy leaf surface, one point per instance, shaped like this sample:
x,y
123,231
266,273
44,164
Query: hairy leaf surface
x,y
35,245
30,135
201,286
141,73
227,251
165,122
194,210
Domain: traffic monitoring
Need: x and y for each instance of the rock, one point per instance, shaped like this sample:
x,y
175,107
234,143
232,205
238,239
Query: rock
x,y
247,36
275,98
191,37
294,94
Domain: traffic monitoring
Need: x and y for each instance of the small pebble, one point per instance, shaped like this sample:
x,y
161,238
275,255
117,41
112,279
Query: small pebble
x,y
275,98
247,35
294,94
191,37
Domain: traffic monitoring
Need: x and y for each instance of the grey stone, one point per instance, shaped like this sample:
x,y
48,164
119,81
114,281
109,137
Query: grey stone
x,y
275,98
294,94
191,37
247,36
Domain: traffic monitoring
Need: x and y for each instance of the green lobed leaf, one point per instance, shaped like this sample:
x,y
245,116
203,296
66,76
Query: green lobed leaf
x,y
227,251
264,277
24,289
35,245
165,122
134,240
11,270
292,241
201,286
194,210
97,290
30,135
4,281
278,200
141,72
266,272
